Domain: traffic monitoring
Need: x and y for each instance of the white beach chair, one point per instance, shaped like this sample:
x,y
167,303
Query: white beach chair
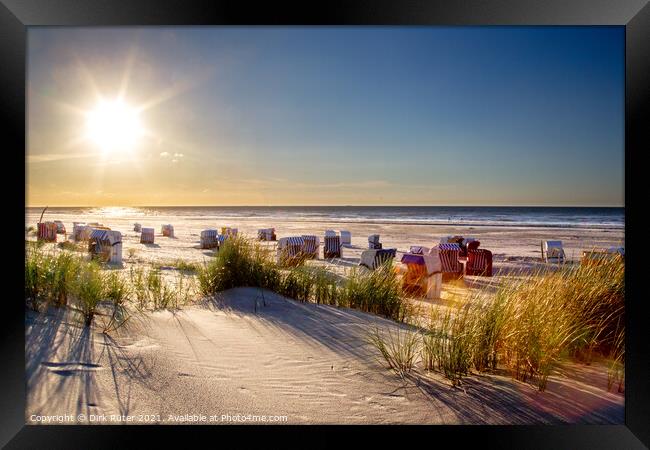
x,y
346,237
373,242
106,245
552,251
209,238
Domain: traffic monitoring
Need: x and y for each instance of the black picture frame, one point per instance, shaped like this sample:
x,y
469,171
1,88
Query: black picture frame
x,y
634,15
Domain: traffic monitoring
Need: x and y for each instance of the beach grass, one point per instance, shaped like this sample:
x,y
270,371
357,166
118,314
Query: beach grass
x,y
528,325
399,349
240,262
62,278
88,289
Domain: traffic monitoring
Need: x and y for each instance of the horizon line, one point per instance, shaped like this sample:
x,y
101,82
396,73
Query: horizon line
x,y
325,206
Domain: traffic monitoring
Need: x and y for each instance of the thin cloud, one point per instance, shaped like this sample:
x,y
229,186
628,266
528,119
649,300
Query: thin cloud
x,y
55,157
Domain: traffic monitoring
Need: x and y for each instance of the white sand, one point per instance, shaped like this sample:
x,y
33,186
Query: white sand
x,y
306,362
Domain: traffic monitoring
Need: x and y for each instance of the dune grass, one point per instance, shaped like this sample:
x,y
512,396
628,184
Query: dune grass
x,y
531,325
65,278
241,262
399,348
528,327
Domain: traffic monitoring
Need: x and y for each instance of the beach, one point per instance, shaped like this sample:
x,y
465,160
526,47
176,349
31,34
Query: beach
x,y
294,363
251,352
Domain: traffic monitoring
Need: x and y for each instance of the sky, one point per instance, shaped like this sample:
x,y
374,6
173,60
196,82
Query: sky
x,y
328,116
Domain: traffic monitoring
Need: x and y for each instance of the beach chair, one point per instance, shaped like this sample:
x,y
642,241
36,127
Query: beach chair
x,y
423,275
77,228
290,250
106,245
332,247
310,246
418,250
452,240
449,254
266,234
373,241
60,228
137,227
46,231
167,230
599,256
479,262
373,258
147,236
346,237
209,238
552,251
384,256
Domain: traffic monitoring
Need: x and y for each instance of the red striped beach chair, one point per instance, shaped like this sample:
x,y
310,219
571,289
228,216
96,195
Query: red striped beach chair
x,y
47,231
479,262
332,247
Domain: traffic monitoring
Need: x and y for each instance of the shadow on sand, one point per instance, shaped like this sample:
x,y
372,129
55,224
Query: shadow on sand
x,y
62,362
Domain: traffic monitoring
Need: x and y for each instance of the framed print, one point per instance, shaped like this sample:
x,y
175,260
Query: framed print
x,y
389,220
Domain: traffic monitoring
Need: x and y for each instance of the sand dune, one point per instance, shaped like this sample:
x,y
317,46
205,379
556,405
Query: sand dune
x,y
307,362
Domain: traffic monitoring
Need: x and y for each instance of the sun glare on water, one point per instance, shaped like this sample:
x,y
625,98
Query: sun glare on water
x,y
114,126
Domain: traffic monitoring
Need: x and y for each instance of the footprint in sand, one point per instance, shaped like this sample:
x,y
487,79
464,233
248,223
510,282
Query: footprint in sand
x,y
243,390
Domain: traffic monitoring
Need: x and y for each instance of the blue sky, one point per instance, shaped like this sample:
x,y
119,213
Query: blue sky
x,y
379,115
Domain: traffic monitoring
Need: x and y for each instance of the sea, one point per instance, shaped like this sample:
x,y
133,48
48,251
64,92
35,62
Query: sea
x,y
515,216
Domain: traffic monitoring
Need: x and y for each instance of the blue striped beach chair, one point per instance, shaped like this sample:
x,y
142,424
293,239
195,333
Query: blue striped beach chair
x,y
449,254
332,247
310,246
384,256
290,250
374,258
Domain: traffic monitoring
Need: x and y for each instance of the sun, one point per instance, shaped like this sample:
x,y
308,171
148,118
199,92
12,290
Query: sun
x,y
114,126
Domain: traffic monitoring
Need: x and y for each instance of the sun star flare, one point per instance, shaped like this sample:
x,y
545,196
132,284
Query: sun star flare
x,y
114,126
